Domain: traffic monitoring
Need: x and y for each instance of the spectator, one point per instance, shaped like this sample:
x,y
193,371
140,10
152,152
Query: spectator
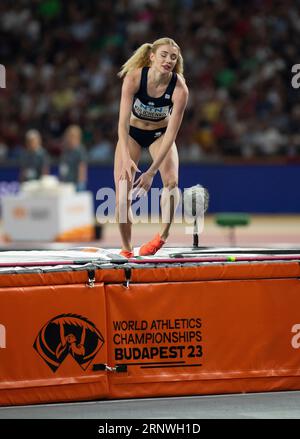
x,y
102,150
34,160
269,140
73,166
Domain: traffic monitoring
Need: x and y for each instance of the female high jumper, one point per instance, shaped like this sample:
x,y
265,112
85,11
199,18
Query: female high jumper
x,y
153,100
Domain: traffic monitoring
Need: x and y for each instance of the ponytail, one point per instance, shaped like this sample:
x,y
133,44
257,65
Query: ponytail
x,y
140,58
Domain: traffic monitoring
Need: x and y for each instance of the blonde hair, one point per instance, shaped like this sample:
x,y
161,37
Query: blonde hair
x,y
141,57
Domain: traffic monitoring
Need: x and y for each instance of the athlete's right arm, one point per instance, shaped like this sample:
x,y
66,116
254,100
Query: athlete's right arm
x,y
129,88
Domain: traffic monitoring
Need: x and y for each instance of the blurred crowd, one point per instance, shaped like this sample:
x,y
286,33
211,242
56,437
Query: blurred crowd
x,y
62,60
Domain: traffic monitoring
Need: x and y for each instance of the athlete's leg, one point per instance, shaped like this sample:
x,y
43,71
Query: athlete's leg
x,y
123,187
170,194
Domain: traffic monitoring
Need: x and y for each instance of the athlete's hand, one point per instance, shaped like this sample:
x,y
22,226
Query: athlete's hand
x,y
126,171
143,184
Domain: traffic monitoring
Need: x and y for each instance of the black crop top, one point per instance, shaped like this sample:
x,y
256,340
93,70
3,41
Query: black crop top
x,y
154,109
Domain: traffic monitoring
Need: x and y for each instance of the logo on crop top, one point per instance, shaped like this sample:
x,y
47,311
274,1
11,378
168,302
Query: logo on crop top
x,y
167,96
68,334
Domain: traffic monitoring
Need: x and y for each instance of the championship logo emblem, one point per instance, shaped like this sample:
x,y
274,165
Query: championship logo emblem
x,y
68,334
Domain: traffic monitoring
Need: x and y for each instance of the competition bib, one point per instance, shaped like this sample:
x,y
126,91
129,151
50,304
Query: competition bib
x,y
149,111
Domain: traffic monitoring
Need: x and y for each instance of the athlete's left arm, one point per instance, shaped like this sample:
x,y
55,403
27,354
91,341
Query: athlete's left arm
x,y
180,97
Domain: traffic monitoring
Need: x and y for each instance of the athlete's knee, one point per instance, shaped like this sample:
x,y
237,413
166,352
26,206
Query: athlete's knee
x,y
171,183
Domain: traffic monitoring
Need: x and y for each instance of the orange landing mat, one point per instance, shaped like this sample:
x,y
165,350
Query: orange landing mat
x,y
107,329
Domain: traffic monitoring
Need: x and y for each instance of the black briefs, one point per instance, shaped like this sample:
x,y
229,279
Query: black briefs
x,y
145,137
